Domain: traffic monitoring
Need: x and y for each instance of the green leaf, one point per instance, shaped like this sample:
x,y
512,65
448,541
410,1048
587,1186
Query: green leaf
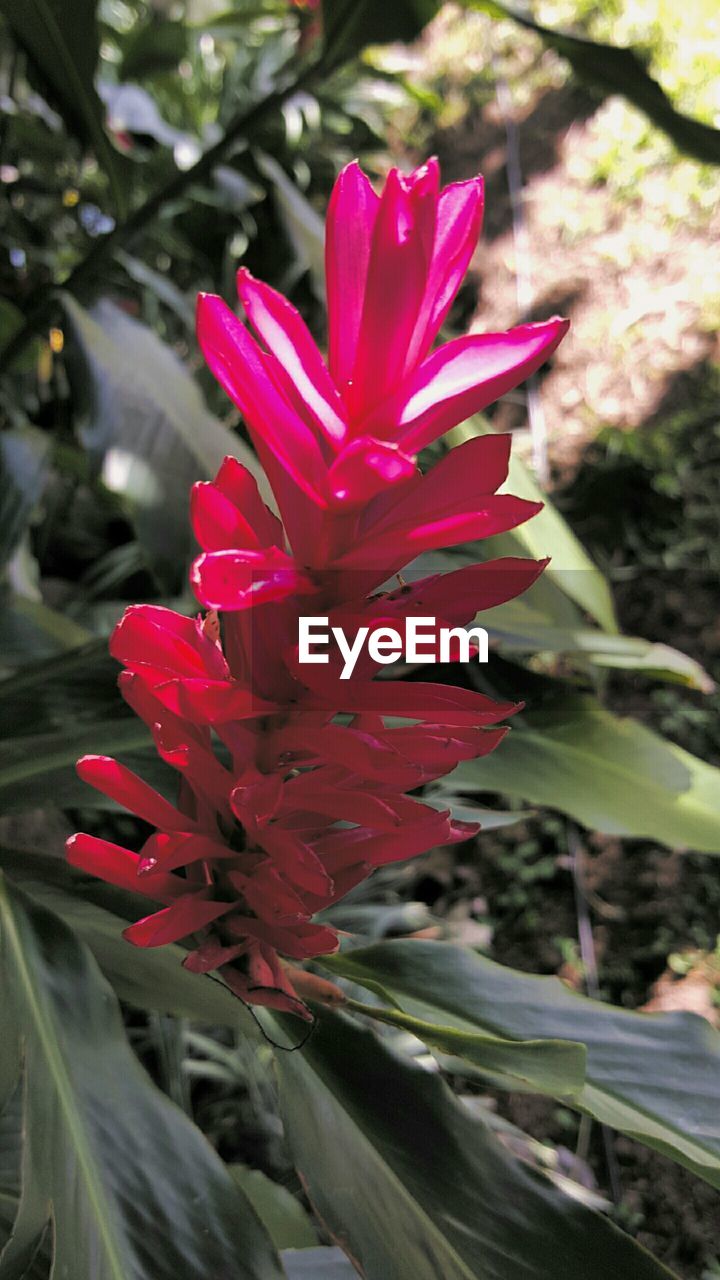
x,y
350,25
304,226
556,1067
622,70
45,763
284,1218
609,773
11,320
517,627
11,1125
489,819
317,1264
23,472
131,1186
159,284
64,54
148,978
71,687
146,425
655,1077
154,47
416,1186
30,629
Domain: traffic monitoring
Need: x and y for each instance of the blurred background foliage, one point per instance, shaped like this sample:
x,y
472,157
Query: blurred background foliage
x,y
146,150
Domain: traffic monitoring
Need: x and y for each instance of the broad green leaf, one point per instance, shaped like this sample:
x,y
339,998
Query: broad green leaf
x,y
416,1187
11,1125
23,471
518,627
44,764
283,1216
465,811
547,534
556,1067
655,1077
304,226
317,1264
159,284
609,773
148,978
146,425
64,54
152,47
371,920
30,630
350,25
614,69
68,688
11,319
133,1188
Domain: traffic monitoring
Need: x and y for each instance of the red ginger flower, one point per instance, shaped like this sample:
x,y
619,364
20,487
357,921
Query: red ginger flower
x,y
293,808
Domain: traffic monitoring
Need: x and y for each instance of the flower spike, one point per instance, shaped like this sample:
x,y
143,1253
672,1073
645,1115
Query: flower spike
x,y
293,781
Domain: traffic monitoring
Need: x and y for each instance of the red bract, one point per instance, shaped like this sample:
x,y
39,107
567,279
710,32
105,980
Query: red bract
x,y
282,808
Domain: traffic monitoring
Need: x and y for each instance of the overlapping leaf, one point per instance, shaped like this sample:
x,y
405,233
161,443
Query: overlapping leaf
x,y
415,1187
608,772
151,978
134,1191
64,54
655,1077
147,427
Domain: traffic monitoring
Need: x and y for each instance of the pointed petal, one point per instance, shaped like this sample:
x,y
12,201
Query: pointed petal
x,y
122,785
299,367
459,218
412,700
166,852
302,518
301,942
354,750
269,984
239,366
366,468
340,804
217,523
151,634
255,802
186,915
438,748
397,546
294,859
241,579
350,221
269,895
118,866
395,846
458,596
264,997
236,483
211,954
217,703
460,379
458,483
399,260
206,702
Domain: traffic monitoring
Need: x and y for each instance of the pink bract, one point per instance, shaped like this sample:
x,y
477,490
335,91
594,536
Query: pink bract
x,y
281,809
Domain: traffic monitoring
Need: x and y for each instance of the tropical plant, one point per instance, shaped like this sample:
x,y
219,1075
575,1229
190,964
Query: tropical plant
x,y
293,784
